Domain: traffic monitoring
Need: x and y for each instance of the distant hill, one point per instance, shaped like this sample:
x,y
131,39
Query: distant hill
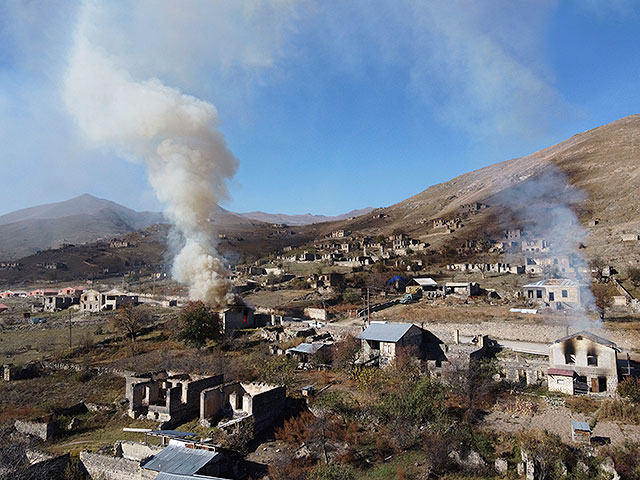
x,y
78,220
304,219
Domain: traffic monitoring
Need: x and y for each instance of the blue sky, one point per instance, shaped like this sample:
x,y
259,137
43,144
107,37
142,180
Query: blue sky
x,y
328,106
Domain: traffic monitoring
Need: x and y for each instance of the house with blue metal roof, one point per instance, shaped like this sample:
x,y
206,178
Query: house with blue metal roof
x,y
382,341
180,460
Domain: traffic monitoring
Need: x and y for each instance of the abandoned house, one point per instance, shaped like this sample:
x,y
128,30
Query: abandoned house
x,y
513,238
468,289
237,402
382,341
94,301
317,352
165,397
535,246
55,303
556,264
419,286
630,237
555,292
473,207
583,363
340,233
238,316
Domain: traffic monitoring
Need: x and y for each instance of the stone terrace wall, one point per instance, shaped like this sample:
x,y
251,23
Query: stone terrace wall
x,y
105,467
528,332
505,330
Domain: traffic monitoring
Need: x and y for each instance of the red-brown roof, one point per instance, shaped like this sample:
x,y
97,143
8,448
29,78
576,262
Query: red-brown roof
x,y
3,307
563,372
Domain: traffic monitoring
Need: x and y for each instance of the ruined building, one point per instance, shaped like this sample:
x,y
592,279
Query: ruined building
x,y
167,397
238,402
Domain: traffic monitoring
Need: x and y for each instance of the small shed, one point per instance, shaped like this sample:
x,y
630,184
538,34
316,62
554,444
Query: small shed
x,y
580,432
419,285
306,351
3,307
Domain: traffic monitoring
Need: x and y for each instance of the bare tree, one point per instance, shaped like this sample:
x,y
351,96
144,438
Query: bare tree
x,y
131,320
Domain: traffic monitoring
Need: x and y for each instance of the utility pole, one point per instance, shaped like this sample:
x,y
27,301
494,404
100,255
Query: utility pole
x,y
368,308
70,345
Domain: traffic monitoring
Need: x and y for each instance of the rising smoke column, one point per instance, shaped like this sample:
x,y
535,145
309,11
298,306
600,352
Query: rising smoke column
x,y
175,135
547,202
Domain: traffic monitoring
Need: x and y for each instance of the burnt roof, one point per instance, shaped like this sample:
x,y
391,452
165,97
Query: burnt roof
x,y
590,336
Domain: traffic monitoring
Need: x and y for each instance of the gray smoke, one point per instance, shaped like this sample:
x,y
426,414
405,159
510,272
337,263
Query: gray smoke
x,y
547,202
174,135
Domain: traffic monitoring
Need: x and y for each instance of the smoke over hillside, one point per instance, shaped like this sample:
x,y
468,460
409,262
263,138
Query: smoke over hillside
x,y
174,135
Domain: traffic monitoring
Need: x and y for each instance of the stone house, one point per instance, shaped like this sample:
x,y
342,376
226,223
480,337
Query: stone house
x,y
473,207
339,233
555,292
55,303
91,301
537,245
513,238
559,264
238,316
383,340
630,237
583,363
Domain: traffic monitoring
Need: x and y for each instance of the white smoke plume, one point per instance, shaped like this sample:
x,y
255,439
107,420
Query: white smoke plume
x,y
175,135
545,205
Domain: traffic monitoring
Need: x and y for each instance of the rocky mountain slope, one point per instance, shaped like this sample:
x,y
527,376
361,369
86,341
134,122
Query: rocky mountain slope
x,y
595,174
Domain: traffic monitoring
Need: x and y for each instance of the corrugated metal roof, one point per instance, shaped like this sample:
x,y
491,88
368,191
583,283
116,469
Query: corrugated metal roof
x,y
583,426
180,460
308,348
385,332
425,282
553,282
173,476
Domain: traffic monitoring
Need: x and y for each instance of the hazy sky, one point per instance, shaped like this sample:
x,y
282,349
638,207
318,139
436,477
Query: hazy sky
x,y
327,105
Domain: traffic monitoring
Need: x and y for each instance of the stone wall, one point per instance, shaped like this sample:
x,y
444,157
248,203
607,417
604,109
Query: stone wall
x,y
136,450
43,430
268,407
106,467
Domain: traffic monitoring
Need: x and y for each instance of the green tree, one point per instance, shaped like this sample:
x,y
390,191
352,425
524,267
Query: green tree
x,y
198,323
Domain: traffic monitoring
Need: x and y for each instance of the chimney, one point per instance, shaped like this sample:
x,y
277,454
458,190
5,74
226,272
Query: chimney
x,y
456,336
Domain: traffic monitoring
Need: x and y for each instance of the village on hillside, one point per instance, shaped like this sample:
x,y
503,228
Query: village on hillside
x,y
329,344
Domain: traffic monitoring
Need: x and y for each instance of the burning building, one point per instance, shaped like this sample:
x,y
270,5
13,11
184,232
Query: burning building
x,y
583,363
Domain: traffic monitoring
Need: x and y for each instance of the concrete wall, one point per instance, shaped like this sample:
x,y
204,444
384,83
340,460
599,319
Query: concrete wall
x,y
106,467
